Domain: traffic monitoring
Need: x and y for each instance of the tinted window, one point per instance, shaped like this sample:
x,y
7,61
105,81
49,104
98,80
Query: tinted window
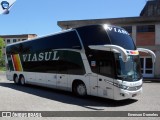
x,y
102,62
97,35
128,28
60,41
68,62
105,67
93,35
120,37
68,40
12,49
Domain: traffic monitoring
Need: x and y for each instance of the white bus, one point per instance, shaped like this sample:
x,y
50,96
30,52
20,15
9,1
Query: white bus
x,y
98,60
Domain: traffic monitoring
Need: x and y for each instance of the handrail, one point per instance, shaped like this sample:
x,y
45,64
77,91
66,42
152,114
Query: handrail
x,y
113,48
149,52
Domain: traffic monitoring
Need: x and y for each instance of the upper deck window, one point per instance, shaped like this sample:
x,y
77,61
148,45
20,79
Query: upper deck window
x,y
93,35
120,37
67,40
101,35
128,28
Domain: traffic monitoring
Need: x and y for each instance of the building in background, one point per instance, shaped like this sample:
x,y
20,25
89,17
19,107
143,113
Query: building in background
x,y
144,29
8,39
152,8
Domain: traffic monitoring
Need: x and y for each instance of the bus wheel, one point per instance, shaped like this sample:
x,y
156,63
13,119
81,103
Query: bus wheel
x,y
80,89
16,80
22,80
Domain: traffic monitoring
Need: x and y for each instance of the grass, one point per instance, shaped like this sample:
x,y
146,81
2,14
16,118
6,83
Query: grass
x,y
2,68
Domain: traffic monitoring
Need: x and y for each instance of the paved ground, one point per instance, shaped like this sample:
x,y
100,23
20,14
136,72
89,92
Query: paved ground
x,y
33,98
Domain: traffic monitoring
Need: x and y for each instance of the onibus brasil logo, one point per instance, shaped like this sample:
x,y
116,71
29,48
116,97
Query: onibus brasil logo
x,y
5,6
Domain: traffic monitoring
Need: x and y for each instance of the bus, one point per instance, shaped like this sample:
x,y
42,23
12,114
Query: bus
x,y
97,60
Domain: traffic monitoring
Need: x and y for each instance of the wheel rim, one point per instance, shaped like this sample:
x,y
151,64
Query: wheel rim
x,y
22,81
81,90
16,80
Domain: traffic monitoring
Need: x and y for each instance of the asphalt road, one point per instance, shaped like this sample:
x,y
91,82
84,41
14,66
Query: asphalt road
x,y
34,98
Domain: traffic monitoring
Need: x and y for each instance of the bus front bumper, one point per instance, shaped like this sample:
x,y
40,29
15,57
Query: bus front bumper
x,y
122,94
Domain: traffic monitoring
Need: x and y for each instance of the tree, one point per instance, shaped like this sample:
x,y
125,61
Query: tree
x,y
2,44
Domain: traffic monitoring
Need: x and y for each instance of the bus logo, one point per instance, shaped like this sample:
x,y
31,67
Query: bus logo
x,y
43,56
5,5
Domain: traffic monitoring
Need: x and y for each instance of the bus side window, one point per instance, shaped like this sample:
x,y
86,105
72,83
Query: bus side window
x,y
106,68
103,67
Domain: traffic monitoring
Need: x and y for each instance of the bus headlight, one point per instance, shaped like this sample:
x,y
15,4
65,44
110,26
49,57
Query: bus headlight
x,y
129,88
123,86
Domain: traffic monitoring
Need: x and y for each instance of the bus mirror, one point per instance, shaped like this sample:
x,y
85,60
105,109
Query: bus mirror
x,y
113,48
115,51
149,52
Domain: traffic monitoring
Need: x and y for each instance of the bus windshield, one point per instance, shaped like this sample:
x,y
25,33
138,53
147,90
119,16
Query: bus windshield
x,y
130,70
119,36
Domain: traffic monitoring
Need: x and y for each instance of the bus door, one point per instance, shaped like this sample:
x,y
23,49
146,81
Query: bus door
x,y
93,84
105,81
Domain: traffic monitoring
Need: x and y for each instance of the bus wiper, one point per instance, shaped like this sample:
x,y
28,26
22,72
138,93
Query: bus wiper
x,y
123,76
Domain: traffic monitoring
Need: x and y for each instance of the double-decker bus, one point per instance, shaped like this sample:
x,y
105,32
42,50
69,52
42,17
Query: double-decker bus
x,y
98,60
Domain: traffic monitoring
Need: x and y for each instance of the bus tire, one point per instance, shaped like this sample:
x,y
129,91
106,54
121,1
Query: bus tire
x,y
79,89
15,79
22,80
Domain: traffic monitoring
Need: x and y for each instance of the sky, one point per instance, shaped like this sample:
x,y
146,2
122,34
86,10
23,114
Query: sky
x,y
40,16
